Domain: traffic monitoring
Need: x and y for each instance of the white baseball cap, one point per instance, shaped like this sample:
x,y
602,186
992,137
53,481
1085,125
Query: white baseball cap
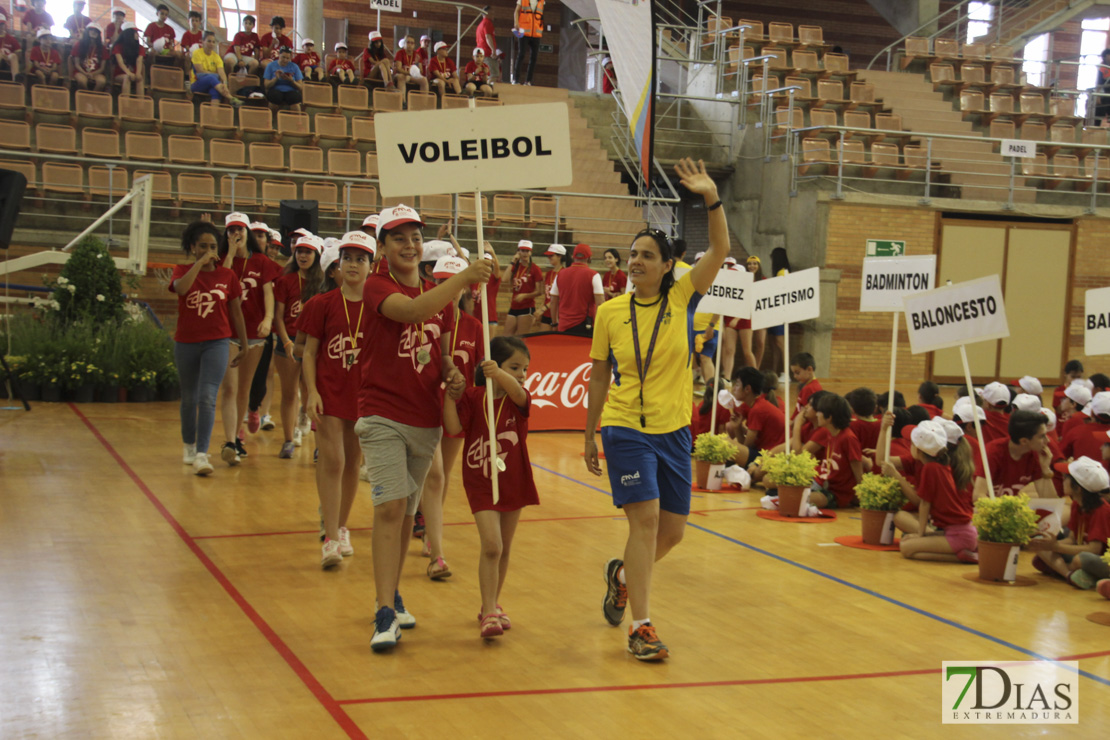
x,y
374,35
312,242
730,260
726,399
1026,402
425,37
1100,404
929,437
1051,416
391,218
371,220
117,9
308,42
995,393
952,430
96,27
259,226
275,237
556,249
436,249
605,61
1089,474
236,219
1031,385
447,266
329,256
964,409
464,253
439,45
477,51
160,44
358,240
43,32
127,26
1078,393
524,244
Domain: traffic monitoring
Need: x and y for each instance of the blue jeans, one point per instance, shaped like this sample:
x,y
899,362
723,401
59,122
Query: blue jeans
x,y
207,83
201,367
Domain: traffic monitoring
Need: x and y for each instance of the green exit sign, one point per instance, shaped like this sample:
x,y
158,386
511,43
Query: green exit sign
x,y
885,248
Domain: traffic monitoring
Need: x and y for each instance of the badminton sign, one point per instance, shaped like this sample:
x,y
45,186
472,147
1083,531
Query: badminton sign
x,y
466,150
886,280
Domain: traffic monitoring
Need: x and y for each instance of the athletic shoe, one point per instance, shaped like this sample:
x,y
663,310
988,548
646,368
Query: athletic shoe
x,y
967,556
298,437
302,422
644,644
345,548
331,556
267,423
404,619
364,474
286,451
240,448
316,455
1103,588
616,595
387,631
323,532
490,627
229,454
1082,580
418,526
201,466
189,455
1042,566
254,421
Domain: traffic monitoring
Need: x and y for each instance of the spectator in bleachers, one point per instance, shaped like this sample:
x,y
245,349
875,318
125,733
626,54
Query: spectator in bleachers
x,y
160,37
442,71
76,23
283,82
129,56
244,49
207,75
309,62
88,60
10,48
341,68
36,18
45,62
1102,86
608,76
113,28
528,25
486,40
407,67
377,62
194,37
424,51
271,44
478,75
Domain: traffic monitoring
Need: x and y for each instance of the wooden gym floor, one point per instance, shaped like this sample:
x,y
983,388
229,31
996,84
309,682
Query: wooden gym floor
x,y
141,601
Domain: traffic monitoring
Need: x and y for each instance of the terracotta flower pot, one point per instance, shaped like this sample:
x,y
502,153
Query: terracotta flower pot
x,y
790,499
708,475
875,525
994,557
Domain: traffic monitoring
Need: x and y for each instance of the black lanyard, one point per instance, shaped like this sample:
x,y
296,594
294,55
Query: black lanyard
x,y
643,365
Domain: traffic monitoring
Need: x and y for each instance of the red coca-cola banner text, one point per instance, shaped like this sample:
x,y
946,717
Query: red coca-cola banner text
x,y
558,379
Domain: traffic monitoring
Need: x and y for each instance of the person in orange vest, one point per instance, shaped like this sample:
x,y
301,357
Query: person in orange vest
x,y
528,28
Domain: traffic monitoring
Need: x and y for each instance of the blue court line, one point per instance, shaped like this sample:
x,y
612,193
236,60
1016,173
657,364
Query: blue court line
x,y
861,589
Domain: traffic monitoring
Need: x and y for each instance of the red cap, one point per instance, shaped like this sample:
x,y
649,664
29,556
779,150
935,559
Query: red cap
x,y
583,251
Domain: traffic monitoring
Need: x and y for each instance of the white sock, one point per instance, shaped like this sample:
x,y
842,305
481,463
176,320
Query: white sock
x,y
620,576
637,623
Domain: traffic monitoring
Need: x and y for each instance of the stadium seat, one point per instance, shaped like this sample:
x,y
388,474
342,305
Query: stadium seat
x,y
331,129
542,209
161,186
177,116
437,206
143,146
266,156
100,142
815,157
508,208
216,120
293,127
362,133
110,183
227,153
386,101
467,208
318,96
55,139
422,100
345,163
780,33
306,159
455,101
811,36
196,188
15,134
275,191
754,33
50,104
167,80
235,83
136,114
324,193
12,100
186,149
239,191
917,47
363,198
94,109
488,102
353,98
24,166
63,177
257,121
946,48
372,165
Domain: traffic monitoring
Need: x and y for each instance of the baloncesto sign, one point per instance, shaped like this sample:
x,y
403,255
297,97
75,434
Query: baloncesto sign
x,y
963,313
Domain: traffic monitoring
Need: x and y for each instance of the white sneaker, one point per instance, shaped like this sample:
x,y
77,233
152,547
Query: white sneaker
x,y
364,473
303,422
298,437
387,631
201,466
267,423
189,455
405,620
331,555
345,548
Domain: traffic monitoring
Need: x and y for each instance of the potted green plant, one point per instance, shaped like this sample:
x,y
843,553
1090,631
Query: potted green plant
x,y
1005,523
81,379
711,453
792,473
52,374
879,498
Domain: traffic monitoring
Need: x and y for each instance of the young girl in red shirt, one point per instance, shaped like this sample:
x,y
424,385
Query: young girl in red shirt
x,y
377,62
300,281
1077,558
526,279
614,280
465,411
477,75
336,353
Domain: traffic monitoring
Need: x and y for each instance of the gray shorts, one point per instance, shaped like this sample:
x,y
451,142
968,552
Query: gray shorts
x,y
397,457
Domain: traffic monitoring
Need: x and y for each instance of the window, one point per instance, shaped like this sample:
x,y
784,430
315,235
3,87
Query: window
x,y
1036,54
979,16
1090,50
233,19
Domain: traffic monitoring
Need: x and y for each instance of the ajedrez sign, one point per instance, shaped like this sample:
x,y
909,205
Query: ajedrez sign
x,y
963,313
729,295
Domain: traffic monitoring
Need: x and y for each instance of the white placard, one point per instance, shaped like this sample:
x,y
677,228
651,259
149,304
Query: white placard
x,y
393,6
963,313
1096,324
886,280
787,299
729,295
1019,148
468,149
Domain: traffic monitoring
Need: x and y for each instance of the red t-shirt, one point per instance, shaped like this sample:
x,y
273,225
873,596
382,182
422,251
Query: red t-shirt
x,y
253,274
1085,440
10,43
1090,526
1058,396
435,67
287,291
154,32
247,43
997,426
38,58
110,32
818,436
202,313
335,64
399,388
524,283
548,281
804,393
485,28
768,421
466,344
407,60
836,468
269,47
189,38
75,24
117,70
325,317
370,58
867,431
1076,419
474,73
516,488
307,60
936,485
34,20
701,423
934,412
608,81
614,282
422,55
1008,475
576,295
492,288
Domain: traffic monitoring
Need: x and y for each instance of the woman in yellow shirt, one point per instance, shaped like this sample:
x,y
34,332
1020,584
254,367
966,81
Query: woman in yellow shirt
x,y
208,74
641,360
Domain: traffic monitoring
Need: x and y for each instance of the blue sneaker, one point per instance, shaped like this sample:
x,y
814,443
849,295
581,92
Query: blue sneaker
x,y
404,619
386,630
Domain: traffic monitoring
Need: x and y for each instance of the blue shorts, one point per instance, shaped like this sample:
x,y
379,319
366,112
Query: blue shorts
x,y
709,349
644,467
775,331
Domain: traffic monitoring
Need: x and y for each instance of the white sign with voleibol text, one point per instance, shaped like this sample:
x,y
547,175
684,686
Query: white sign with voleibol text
x,y
1096,331
886,280
729,295
963,313
787,299
393,6
467,149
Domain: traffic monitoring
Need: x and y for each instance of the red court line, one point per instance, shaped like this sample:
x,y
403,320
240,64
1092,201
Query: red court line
x,y
329,703
642,687
1081,656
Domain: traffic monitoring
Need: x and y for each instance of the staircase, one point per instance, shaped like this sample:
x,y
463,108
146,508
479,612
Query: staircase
x,y
925,111
600,222
1022,23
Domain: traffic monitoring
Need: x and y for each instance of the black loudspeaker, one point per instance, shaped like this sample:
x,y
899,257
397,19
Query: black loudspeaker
x,y
298,214
12,185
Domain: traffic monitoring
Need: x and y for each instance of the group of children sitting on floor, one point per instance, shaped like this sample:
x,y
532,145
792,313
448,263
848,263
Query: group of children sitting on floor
x,y
1062,451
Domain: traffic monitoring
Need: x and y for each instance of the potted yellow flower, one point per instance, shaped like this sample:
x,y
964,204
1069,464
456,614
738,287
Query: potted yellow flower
x,y
1005,523
792,473
880,498
711,453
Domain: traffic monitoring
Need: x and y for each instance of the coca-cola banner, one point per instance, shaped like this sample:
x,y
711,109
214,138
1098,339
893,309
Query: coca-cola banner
x,y
558,379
